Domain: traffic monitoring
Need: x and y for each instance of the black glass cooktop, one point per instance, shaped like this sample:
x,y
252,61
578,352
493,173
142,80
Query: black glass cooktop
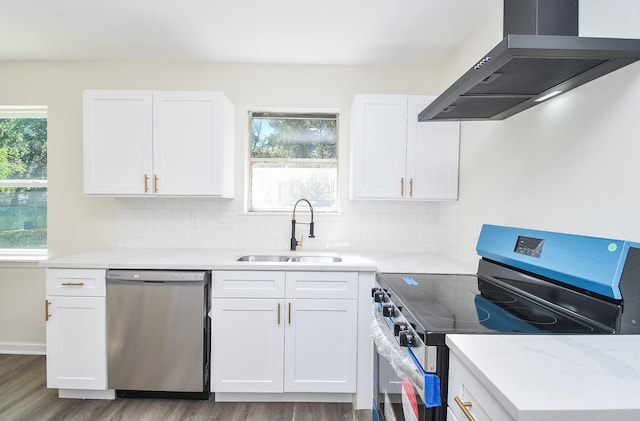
x,y
440,304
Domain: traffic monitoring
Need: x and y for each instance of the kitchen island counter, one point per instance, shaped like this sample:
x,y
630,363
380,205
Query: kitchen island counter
x,y
553,378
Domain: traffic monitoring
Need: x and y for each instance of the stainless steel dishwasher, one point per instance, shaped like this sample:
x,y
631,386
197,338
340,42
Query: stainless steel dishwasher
x,y
158,332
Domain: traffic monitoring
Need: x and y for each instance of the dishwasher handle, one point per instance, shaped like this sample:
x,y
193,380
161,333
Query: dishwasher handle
x,y
155,276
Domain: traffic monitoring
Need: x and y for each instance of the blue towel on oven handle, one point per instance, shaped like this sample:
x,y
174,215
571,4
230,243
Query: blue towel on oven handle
x,y
431,390
431,384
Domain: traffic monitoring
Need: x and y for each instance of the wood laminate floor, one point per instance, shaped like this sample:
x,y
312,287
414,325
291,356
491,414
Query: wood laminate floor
x,y
24,396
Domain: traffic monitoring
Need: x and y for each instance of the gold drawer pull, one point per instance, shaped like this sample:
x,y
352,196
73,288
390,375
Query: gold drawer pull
x,y
278,313
402,186
464,406
73,284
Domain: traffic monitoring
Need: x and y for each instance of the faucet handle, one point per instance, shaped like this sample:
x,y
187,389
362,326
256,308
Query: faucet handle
x,y
301,238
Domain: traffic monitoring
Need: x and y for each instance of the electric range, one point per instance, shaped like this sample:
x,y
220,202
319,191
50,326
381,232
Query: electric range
x,y
528,282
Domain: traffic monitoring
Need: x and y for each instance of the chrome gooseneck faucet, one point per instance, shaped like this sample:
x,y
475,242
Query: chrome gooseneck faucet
x,y
294,242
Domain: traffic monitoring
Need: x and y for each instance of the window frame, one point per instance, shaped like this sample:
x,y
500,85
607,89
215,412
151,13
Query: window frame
x,y
291,114
25,111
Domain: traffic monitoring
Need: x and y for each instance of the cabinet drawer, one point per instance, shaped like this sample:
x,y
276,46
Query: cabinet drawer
x,y
464,385
322,285
76,282
247,284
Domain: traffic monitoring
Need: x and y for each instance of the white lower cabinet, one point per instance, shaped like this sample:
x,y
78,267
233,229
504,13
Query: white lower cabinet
x,y
247,345
474,401
284,343
75,314
320,346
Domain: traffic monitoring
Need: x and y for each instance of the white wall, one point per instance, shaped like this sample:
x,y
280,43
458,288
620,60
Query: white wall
x,y
21,309
570,165
78,223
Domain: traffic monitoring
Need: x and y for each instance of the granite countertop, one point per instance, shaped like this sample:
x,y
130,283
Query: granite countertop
x,y
218,259
557,377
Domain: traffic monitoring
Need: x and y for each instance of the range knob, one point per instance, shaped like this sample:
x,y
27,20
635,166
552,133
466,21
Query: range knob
x,y
406,339
399,327
389,310
378,295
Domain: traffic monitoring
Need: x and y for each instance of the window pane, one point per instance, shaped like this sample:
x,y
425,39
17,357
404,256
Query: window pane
x,y
23,218
23,175
293,156
277,186
23,149
288,138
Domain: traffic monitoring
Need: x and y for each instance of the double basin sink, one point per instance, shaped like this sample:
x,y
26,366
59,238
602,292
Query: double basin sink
x,y
262,258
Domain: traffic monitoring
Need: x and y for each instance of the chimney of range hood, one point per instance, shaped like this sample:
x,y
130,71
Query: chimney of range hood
x,y
540,17
541,54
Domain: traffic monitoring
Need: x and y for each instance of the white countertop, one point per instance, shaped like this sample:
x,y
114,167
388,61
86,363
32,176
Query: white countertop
x,y
547,377
218,259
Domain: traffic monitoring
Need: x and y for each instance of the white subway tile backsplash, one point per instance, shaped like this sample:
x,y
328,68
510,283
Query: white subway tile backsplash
x,y
429,227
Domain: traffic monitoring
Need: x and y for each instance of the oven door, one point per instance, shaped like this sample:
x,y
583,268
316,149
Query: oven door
x,y
399,379
395,399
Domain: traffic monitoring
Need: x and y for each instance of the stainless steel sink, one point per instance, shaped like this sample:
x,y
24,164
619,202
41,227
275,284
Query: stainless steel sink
x,y
316,259
262,258
289,259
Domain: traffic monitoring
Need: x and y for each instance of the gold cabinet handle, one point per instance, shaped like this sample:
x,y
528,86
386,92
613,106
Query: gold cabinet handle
x,y
155,183
146,183
289,313
402,186
411,187
46,310
464,406
73,284
278,313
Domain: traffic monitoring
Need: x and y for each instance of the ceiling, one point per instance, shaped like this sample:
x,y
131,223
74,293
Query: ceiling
x,y
351,32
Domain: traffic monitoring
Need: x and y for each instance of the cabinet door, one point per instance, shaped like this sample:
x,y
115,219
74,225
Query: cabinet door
x,y
117,142
450,415
432,155
188,131
76,343
379,133
247,338
320,346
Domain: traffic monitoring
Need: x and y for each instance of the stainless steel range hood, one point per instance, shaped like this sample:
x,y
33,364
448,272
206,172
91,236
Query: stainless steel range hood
x,y
540,56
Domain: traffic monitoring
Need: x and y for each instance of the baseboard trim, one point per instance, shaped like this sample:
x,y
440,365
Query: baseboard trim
x,y
109,394
283,397
25,348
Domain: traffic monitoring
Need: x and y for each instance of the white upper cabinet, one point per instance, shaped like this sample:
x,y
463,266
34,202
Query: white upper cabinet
x,y
432,154
118,140
139,143
396,157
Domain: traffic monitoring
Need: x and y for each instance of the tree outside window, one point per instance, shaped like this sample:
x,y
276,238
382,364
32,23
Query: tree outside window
x,y
23,179
293,156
